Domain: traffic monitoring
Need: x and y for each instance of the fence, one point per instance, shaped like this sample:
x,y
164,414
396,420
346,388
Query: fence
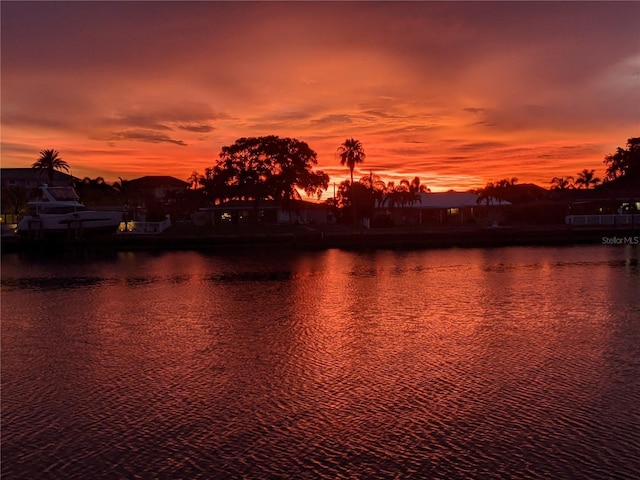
x,y
624,219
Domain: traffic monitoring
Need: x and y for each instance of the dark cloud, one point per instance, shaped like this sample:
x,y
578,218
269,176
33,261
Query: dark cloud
x,y
332,119
138,121
378,114
145,136
197,128
474,110
470,147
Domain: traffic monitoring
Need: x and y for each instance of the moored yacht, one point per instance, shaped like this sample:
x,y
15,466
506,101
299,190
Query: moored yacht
x,y
59,212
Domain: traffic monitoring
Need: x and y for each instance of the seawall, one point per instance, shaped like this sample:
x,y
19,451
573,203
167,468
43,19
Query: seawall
x,y
302,237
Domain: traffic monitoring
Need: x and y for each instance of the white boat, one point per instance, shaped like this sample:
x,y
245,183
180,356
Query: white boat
x,y
59,212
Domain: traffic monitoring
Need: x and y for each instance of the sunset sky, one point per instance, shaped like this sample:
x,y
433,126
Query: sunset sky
x,y
457,93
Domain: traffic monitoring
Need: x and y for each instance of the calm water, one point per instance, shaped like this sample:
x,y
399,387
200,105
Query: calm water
x,y
498,363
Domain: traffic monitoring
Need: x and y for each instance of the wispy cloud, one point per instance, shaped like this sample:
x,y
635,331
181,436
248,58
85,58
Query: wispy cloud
x,y
145,136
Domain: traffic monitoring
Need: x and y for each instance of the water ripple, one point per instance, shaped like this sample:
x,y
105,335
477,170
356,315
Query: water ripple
x,y
509,363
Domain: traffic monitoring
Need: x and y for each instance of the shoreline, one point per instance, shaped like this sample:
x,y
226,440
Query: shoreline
x,y
326,237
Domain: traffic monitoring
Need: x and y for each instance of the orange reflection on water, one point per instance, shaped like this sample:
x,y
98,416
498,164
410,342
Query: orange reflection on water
x,y
400,359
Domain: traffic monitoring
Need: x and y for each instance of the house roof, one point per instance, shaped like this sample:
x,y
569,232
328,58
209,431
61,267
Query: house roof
x,y
30,174
154,181
450,200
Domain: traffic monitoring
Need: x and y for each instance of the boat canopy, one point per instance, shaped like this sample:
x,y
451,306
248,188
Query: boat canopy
x,y
59,194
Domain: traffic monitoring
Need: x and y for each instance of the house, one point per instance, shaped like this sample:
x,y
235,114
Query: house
x,y
238,212
157,187
30,178
149,198
445,208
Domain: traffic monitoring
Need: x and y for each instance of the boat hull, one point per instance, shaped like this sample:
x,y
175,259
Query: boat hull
x,y
78,224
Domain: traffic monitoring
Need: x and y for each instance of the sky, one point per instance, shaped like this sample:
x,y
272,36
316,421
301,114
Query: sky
x,y
456,93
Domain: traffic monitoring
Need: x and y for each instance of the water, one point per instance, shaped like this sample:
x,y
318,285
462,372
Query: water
x,y
462,363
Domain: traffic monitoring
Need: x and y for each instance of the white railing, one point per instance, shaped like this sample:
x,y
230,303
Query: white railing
x,y
624,219
143,227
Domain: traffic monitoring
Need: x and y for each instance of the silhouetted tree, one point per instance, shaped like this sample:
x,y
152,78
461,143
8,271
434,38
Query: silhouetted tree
x,y
417,187
195,180
14,199
625,162
377,187
401,194
497,191
95,191
355,201
351,153
561,183
123,187
50,161
409,192
259,168
586,178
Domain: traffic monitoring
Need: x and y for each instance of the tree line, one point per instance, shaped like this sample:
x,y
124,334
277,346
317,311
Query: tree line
x,y
625,163
274,168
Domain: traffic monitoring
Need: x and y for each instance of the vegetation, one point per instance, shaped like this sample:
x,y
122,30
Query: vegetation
x,y
358,200
351,152
496,191
278,169
123,188
562,183
260,168
405,193
625,163
14,199
587,178
50,161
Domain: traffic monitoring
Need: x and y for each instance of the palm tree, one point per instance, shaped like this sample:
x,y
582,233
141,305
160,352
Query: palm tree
x,y
417,187
561,183
376,186
95,191
122,187
351,153
50,161
587,178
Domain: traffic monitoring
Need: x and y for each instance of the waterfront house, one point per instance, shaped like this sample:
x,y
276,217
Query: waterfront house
x,y
238,212
446,208
151,197
157,187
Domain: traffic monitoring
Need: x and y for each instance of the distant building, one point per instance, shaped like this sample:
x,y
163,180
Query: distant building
x,y
149,197
31,178
158,187
238,212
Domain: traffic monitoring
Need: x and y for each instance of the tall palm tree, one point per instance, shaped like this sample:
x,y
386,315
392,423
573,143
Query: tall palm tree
x,y
587,178
351,153
50,161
